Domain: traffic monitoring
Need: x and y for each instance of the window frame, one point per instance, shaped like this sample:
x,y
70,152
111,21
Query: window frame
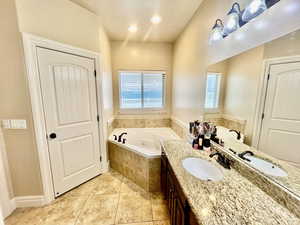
x,y
142,109
217,109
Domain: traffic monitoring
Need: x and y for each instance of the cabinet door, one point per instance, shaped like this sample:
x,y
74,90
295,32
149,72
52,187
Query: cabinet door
x,y
170,194
163,175
179,213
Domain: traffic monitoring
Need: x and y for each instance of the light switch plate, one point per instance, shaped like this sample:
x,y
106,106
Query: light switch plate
x,y
6,124
18,124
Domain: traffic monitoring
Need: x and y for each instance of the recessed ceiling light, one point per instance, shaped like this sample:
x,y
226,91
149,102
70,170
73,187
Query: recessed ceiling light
x,y
156,19
132,28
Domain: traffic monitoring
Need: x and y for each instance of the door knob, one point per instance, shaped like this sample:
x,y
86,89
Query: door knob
x,y
52,135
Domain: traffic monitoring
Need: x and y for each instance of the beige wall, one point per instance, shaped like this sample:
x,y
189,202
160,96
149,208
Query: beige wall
x,y
107,86
190,57
243,75
287,45
15,103
142,56
59,20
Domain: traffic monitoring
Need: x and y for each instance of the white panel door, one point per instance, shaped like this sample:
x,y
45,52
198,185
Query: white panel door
x,y
280,136
70,108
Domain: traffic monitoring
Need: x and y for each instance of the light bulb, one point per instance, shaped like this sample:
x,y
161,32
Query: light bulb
x,y
255,8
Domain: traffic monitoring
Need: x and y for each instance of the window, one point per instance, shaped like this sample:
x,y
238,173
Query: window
x,y
212,90
142,90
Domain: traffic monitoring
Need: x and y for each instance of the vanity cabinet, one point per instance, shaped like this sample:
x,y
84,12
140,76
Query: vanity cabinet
x,y
179,210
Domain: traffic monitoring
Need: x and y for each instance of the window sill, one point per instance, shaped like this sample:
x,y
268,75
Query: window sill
x,y
141,111
216,110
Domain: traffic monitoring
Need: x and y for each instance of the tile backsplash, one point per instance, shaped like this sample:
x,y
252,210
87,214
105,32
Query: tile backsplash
x,y
226,121
137,123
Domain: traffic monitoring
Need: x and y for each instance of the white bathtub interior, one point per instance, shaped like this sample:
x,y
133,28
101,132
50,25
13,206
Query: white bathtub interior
x,y
144,141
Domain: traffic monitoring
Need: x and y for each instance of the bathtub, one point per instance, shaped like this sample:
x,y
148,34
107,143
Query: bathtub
x,y
144,141
224,134
139,158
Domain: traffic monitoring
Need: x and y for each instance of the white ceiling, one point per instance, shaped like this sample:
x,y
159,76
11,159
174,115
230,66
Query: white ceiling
x,y
117,15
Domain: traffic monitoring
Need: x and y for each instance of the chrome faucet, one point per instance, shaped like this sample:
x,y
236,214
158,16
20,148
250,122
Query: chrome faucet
x,y
120,136
237,132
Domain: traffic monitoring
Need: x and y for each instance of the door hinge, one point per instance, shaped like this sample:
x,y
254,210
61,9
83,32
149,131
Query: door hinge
x,y
262,116
95,73
98,118
100,158
268,76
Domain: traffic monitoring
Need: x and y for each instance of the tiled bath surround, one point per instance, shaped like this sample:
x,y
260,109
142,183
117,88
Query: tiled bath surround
x,y
143,171
226,121
137,123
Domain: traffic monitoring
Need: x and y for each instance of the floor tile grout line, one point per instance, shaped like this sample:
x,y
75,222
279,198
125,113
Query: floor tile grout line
x,y
115,220
151,202
118,197
82,208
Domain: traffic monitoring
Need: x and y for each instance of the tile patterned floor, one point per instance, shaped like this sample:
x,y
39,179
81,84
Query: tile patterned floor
x,y
105,200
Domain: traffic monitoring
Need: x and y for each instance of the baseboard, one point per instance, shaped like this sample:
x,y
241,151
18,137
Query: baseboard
x,y
29,201
105,167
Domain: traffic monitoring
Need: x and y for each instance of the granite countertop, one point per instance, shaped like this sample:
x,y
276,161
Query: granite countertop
x,y
233,200
292,181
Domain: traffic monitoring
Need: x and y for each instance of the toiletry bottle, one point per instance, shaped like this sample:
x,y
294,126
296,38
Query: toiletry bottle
x,y
213,136
201,137
196,143
206,143
191,127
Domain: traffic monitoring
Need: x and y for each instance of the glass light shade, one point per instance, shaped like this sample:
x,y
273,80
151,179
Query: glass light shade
x,y
217,32
232,22
255,8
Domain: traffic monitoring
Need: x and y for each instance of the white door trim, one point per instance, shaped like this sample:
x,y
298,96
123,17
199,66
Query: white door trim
x,y
1,217
262,91
6,189
31,42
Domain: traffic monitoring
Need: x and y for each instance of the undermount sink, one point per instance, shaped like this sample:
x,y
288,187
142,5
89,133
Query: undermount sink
x,y
265,166
202,169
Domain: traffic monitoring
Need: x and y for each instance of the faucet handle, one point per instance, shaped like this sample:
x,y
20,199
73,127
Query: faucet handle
x,y
124,141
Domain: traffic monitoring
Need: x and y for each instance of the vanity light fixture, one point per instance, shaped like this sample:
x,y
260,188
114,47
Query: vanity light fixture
x,y
217,32
133,28
156,19
232,22
255,8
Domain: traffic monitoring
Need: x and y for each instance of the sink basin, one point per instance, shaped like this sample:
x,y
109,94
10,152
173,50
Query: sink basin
x,y
202,169
266,167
